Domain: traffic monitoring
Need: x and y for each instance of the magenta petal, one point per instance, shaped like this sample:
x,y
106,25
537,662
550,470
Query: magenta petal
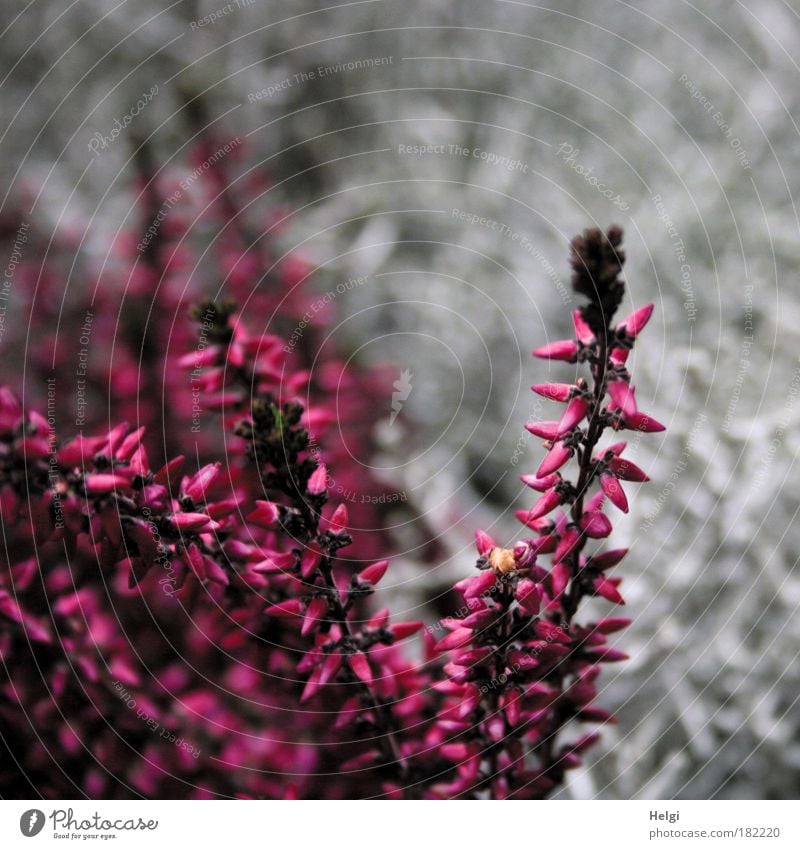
x,y
340,519
202,480
612,488
554,391
596,525
318,482
575,413
608,559
643,423
627,471
565,349
484,543
316,610
285,609
372,574
555,459
636,321
539,484
104,484
622,394
605,588
266,514
582,330
529,596
559,578
549,501
403,630
454,640
567,544
479,585
360,666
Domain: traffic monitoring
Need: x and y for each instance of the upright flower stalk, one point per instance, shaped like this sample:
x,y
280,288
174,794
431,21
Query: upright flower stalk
x,y
520,667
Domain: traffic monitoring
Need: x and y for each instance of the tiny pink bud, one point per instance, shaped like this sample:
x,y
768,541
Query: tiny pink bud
x,y
340,519
549,501
607,656
643,423
287,609
636,321
619,356
541,525
529,596
454,640
479,585
612,625
559,578
555,459
608,590
616,495
573,415
266,514
544,430
484,543
627,471
554,391
318,482
202,480
403,630
372,574
566,350
360,666
623,396
103,484
596,525
582,330
608,559
316,610
569,540
539,484
193,522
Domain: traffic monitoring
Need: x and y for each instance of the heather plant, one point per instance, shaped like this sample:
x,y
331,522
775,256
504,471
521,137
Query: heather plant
x,y
194,628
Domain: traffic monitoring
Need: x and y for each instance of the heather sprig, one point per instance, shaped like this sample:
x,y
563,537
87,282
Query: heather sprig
x,y
520,667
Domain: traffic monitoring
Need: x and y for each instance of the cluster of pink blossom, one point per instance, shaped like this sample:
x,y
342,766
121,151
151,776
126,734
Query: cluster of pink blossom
x,y
188,628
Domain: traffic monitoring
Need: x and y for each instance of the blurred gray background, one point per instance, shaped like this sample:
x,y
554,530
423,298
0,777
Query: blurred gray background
x,y
677,122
